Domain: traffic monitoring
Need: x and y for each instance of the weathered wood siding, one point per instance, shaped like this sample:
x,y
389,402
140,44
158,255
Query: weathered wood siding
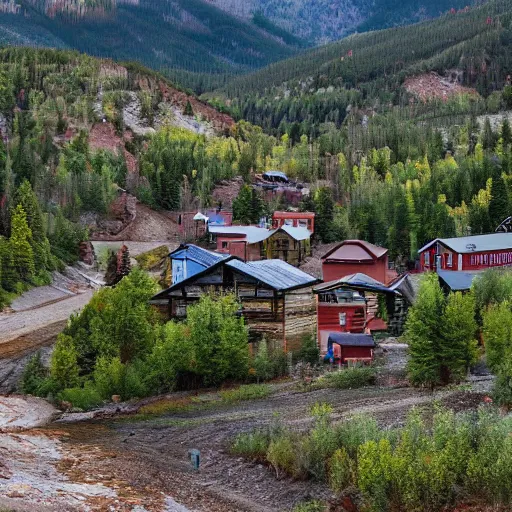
x,y
299,317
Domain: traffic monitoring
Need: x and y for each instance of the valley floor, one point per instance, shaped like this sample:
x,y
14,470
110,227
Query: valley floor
x,y
140,462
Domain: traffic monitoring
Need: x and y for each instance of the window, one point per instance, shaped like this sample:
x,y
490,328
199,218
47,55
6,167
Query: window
x,y
343,319
427,259
449,259
224,245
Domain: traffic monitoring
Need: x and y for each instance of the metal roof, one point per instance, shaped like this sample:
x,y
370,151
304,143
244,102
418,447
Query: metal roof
x,y
475,243
355,250
276,274
358,281
297,233
276,174
348,339
198,254
457,281
252,234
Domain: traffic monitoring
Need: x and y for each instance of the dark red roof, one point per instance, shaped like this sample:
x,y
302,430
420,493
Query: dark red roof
x,y
355,250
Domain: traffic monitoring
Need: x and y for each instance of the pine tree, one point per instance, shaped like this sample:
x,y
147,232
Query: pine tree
x,y
188,111
506,133
20,244
26,197
423,333
324,208
499,204
458,348
488,136
124,263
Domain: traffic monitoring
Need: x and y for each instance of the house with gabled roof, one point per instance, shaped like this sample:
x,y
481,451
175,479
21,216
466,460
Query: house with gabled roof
x,y
357,256
251,243
277,299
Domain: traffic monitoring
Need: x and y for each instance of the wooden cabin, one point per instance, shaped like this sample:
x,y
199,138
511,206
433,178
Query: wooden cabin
x,y
189,259
252,243
357,256
349,348
277,299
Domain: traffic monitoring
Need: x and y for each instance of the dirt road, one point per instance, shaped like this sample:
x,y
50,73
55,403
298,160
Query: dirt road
x,y
23,333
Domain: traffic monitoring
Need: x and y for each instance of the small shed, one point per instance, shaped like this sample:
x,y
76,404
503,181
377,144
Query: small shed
x,y
349,348
277,299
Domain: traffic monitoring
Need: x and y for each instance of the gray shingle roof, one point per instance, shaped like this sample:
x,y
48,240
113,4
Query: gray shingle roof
x,y
348,339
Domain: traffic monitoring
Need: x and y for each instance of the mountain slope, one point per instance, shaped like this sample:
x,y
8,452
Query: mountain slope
x,y
369,70
322,21
189,36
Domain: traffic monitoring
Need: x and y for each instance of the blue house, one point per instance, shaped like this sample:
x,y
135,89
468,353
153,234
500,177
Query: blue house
x,y
189,259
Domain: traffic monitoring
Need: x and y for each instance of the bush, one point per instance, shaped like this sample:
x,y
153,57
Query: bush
x,y
311,506
309,351
281,455
278,363
262,363
33,376
349,378
253,445
64,365
82,398
341,471
247,392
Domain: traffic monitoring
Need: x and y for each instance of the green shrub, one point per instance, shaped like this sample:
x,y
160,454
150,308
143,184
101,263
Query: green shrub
x,y
247,392
356,431
349,378
278,363
82,398
33,376
341,471
309,351
262,364
253,445
64,368
311,506
281,455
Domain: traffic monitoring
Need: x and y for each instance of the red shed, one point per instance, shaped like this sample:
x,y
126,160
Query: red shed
x,y
347,348
467,253
357,256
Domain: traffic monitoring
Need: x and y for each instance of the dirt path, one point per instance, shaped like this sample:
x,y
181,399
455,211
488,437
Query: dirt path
x,y
22,333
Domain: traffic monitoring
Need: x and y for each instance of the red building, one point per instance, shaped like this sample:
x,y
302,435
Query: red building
x,y
347,348
357,256
349,305
467,254
295,219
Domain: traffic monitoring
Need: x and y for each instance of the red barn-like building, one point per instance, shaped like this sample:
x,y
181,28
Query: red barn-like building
x,y
357,256
467,254
295,219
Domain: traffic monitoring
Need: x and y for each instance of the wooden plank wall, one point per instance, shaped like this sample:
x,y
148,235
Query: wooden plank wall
x,y
300,317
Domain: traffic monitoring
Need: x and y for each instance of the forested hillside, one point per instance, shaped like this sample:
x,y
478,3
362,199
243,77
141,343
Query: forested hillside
x,y
368,70
72,131
188,39
321,21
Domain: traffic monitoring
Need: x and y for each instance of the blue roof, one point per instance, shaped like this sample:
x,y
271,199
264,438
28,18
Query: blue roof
x,y
277,274
348,339
198,254
457,281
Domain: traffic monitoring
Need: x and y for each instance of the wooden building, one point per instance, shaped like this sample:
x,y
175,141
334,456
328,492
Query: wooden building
x,y
467,254
277,299
188,260
294,219
357,256
252,243
350,305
